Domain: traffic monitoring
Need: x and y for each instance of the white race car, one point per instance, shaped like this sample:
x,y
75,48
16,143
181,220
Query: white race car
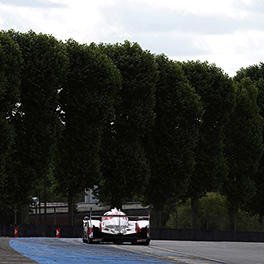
x,y
115,226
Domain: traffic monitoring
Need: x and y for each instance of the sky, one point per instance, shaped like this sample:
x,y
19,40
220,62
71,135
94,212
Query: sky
x,y
229,33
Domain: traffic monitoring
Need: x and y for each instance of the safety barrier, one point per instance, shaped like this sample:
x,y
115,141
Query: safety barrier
x,y
40,230
156,233
193,235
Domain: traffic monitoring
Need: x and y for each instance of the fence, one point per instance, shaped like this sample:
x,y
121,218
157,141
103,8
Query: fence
x,y
156,233
193,235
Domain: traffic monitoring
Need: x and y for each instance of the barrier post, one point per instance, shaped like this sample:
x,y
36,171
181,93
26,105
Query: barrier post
x,y
58,230
16,231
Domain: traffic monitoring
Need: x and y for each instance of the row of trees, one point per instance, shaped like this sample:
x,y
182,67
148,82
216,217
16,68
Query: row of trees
x,y
138,126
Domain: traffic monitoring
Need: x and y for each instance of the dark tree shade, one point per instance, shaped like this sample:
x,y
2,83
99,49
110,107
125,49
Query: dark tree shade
x,y
256,74
44,70
86,102
174,137
10,61
217,96
126,178
244,147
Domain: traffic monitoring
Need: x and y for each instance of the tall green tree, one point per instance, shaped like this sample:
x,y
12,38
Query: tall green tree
x,y
125,168
217,96
244,148
86,101
172,143
256,74
10,61
43,74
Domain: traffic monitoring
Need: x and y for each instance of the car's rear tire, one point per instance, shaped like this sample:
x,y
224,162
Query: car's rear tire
x,y
146,243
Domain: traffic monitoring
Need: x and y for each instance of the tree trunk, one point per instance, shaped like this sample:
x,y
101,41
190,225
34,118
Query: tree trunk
x,y
176,219
40,218
248,222
71,208
45,198
15,215
155,218
195,205
25,214
159,217
116,203
232,211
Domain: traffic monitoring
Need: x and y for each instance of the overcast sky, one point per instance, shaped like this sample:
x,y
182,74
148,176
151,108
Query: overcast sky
x,y
229,33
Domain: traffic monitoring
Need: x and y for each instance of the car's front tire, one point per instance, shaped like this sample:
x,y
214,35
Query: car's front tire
x,y
87,239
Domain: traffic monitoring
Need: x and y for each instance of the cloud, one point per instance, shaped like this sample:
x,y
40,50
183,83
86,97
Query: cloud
x,y
32,3
154,18
173,43
230,51
227,32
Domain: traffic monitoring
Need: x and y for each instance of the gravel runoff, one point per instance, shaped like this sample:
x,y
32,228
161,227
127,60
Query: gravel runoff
x,y
9,255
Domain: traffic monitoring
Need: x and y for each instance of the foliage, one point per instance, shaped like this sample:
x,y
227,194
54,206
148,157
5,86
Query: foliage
x,y
125,168
213,214
44,69
173,140
10,61
136,125
256,74
86,101
217,97
244,147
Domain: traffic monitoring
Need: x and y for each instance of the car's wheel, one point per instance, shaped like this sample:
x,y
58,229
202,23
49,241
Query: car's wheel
x,y
84,239
146,243
118,242
89,240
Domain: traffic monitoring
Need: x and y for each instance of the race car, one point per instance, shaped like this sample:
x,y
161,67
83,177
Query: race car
x,y
115,226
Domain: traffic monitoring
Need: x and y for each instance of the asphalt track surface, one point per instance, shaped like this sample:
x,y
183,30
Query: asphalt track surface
x,y
9,255
53,250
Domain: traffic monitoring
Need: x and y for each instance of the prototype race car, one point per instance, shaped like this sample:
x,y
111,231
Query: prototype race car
x,y
115,226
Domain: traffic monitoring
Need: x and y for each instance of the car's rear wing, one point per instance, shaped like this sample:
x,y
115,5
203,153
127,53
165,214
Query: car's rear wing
x,y
130,217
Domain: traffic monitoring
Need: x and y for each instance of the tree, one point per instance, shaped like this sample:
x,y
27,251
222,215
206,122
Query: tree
x,y
174,138
125,168
43,74
244,147
217,96
10,61
256,74
86,101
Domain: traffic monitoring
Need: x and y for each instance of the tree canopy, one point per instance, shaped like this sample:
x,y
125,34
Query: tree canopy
x,y
217,97
86,101
244,147
132,125
173,140
124,161
10,78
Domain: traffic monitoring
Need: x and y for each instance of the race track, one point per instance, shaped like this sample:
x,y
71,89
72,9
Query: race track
x,y
52,250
